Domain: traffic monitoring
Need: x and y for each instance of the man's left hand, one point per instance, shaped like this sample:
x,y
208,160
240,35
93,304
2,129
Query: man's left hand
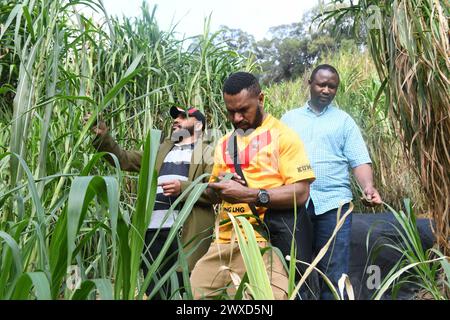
x,y
171,188
371,197
233,192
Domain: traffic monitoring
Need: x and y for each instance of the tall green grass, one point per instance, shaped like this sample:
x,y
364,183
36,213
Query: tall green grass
x,y
66,218
63,217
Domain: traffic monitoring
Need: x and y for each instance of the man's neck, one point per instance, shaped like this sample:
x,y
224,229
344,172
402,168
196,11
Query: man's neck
x,y
189,140
316,109
264,116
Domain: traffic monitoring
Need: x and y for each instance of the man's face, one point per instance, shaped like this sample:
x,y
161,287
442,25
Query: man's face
x,y
323,88
183,123
245,109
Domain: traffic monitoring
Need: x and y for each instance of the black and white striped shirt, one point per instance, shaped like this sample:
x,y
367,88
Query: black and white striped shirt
x,y
175,167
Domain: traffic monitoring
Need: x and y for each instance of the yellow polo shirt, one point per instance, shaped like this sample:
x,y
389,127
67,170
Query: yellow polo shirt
x,y
271,156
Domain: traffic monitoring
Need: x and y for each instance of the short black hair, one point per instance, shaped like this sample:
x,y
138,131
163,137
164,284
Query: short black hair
x,y
324,67
239,81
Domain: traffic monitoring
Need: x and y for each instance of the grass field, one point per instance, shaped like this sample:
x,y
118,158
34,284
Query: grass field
x,y
66,216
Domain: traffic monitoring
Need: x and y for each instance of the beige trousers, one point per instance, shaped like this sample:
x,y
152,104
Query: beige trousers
x,y
213,273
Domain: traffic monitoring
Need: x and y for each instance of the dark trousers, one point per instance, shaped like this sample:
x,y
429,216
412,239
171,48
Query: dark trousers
x,y
152,252
337,258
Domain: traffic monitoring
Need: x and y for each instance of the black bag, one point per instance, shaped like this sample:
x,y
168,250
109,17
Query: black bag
x,y
281,228
280,222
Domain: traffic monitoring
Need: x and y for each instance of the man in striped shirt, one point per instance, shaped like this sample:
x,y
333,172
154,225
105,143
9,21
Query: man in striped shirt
x,y
180,160
175,167
334,144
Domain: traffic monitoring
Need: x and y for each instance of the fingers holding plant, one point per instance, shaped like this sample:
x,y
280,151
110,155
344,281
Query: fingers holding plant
x,y
371,197
233,191
235,177
99,127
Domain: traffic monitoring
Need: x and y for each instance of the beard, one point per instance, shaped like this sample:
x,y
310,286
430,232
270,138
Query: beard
x,y
258,117
245,128
320,101
181,132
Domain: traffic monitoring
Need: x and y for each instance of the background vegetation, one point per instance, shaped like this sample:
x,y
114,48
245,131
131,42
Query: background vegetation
x,y
61,206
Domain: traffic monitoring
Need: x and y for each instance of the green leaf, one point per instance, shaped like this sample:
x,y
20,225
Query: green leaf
x,y
11,17
16,256
81,193
259,283
37,279
144,205
29,23
103,286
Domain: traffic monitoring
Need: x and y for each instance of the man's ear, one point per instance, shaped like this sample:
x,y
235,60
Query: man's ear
x,y
261,98
309,81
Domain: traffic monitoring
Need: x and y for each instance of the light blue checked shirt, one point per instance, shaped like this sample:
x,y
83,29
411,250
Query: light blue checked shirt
x,y
333,143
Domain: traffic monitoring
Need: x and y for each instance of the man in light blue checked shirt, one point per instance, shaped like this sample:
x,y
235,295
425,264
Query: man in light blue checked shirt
x,y
334,144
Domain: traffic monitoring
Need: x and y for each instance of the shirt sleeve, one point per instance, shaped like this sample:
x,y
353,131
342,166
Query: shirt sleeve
x,y
293,163
129,160
285,118
355,149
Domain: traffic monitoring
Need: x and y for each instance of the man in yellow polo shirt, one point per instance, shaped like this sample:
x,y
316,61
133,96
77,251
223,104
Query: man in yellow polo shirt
x,y
275,167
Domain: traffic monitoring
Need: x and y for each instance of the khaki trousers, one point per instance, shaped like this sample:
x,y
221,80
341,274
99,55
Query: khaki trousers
x,y
213,273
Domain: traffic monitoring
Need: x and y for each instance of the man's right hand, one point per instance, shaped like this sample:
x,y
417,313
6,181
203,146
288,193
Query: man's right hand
x,y
235,177
100,128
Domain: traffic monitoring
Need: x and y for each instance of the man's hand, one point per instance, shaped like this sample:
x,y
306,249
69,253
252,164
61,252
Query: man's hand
x,y
100,128
371,197
235,177
171,188
233,191
364,176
